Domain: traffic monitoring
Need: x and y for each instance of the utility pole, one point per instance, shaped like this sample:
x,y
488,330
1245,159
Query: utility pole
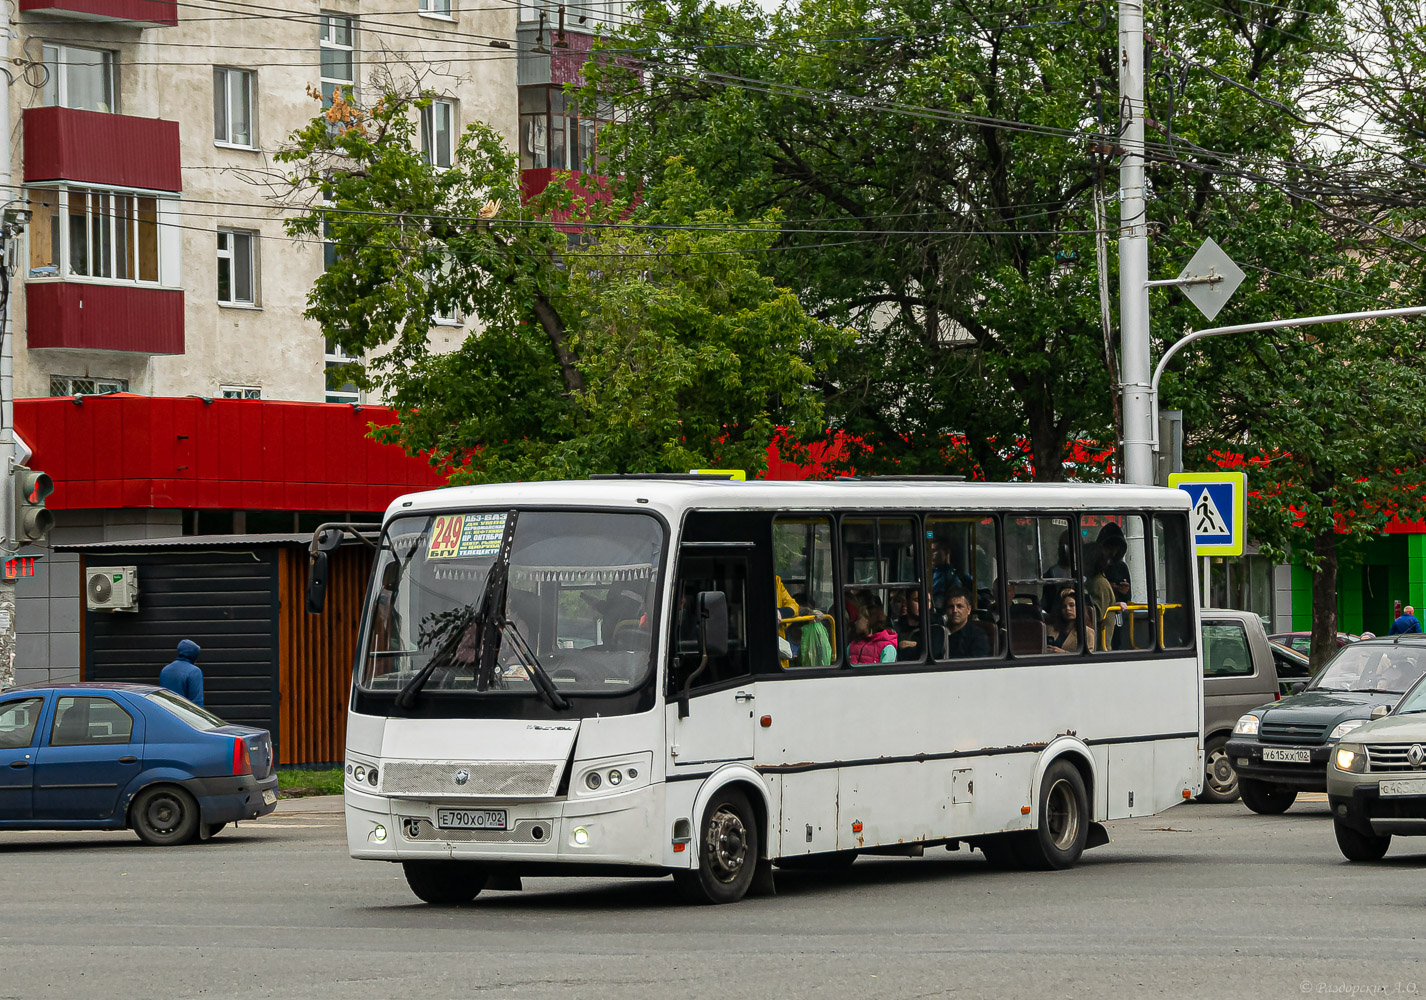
x,y
1134,251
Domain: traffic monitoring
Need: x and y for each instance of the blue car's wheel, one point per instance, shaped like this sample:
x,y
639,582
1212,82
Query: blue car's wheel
x,y
164,816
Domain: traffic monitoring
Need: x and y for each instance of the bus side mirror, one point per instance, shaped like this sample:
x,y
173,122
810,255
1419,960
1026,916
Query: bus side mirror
x,y
1381,711
713,622
317,583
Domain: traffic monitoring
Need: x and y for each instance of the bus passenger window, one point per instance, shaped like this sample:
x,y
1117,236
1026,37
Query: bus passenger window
x,y
1046,610
962,568
1173,595
879,567
697,573
802,562
1117,581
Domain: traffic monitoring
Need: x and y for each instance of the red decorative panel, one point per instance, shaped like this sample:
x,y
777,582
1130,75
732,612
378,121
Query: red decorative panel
x,y
92,317
154,12
64,144
123,450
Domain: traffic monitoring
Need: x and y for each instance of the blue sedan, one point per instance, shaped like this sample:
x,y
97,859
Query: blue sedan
x,y
111,756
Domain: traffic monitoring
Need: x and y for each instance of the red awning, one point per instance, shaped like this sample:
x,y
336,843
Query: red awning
x,y
122,450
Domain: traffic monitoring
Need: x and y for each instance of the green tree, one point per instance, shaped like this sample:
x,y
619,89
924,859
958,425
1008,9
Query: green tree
x,y
938,163
653,343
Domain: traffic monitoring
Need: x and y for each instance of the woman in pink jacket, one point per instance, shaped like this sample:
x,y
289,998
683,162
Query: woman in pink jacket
x,y
872,640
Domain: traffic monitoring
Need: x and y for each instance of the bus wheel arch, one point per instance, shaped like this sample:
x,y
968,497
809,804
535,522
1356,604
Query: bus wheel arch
x,y
732,813
1078,755
751,785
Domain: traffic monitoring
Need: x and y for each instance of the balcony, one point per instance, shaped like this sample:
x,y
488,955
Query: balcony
x,y
144,13
82,316
64,144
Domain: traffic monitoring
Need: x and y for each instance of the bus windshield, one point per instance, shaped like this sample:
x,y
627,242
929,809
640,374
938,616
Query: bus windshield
x,y
579,597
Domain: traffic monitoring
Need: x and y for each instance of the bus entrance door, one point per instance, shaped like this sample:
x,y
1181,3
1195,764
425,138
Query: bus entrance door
x,y
719,726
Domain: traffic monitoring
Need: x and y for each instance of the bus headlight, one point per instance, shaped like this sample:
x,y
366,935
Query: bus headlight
x,y
359,772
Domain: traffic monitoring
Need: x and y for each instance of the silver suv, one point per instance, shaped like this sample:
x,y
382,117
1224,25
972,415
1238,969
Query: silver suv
x,y
1376,780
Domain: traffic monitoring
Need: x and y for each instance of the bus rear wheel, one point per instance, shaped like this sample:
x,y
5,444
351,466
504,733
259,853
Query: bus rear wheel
x,y
729,847
444,883
1058,841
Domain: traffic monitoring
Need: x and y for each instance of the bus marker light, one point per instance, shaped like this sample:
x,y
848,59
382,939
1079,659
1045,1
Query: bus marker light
x,y
1187,794
1024,810
857,827
678,848
765,721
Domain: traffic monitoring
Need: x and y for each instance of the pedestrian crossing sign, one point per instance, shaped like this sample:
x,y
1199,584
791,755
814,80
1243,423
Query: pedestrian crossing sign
x,y
1219,515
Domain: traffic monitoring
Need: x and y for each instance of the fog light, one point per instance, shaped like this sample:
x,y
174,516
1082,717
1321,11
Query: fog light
x,y
378,834
371,777
581,836
592,779
359,772
615,776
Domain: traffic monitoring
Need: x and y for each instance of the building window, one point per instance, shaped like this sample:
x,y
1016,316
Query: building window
x,y
85,385
338,56
339,389
440,8
76,232
79,78
555,132
437,130
233,107
236,283
241,391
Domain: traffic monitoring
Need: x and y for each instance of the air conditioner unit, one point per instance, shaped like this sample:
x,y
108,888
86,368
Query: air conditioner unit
x,y
111,588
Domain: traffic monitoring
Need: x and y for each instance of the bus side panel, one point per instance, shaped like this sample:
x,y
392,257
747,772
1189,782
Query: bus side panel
x,y
809,813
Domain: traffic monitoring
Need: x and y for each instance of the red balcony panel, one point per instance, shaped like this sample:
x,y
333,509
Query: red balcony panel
x,y
158,13
86,317
63,144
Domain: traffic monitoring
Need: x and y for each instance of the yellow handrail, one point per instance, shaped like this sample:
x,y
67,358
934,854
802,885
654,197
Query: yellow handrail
x,y
816,616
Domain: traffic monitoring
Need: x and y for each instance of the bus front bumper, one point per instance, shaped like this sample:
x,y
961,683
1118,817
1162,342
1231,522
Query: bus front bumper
x,y
618,828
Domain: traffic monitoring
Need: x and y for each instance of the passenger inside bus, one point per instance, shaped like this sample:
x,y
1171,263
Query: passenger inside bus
x,y
1065,624
872,640
964,638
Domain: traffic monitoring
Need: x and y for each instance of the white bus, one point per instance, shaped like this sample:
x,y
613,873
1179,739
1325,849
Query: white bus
x,y
707,678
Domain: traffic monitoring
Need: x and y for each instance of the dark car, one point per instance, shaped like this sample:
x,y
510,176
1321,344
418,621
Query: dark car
x,y
1282,748
1302,641
110,756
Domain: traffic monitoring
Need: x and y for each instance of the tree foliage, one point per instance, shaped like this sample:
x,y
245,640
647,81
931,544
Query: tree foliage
x,y
653,343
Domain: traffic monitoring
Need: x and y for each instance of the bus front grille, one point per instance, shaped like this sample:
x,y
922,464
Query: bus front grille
x,y
470,779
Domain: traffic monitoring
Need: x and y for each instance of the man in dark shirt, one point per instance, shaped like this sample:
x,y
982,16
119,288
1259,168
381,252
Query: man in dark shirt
x,y
964,639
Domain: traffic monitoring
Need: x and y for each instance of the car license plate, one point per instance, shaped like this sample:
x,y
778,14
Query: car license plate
x,y
1291,755
470,819
1404,786
269,797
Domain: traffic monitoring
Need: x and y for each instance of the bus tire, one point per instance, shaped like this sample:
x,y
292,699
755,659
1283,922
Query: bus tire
x,y
444,883
729,846
1058,841
1265,798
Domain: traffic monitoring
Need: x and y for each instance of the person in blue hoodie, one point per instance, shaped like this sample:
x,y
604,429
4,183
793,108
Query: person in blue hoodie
x,y
182,676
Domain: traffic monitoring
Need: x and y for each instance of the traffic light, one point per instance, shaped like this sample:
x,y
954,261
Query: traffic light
x,y
32,521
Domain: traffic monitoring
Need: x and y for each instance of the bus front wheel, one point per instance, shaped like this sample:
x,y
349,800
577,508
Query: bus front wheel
x,y
1058,841
444,883
728,850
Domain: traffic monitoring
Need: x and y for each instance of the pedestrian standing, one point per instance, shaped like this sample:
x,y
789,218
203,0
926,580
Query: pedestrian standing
x,y
1407,623
182,676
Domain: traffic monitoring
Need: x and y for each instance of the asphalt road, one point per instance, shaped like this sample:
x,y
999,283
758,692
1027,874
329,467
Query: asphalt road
x,y
1202,901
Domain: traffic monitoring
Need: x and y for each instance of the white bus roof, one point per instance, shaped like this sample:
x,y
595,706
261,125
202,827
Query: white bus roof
x,y
674,495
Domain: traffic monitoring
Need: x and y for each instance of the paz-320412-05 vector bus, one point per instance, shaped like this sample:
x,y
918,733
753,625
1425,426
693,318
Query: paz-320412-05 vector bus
x,y
710,678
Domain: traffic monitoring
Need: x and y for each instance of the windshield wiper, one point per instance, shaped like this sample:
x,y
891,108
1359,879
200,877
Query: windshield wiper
x,y
539,676
481,621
